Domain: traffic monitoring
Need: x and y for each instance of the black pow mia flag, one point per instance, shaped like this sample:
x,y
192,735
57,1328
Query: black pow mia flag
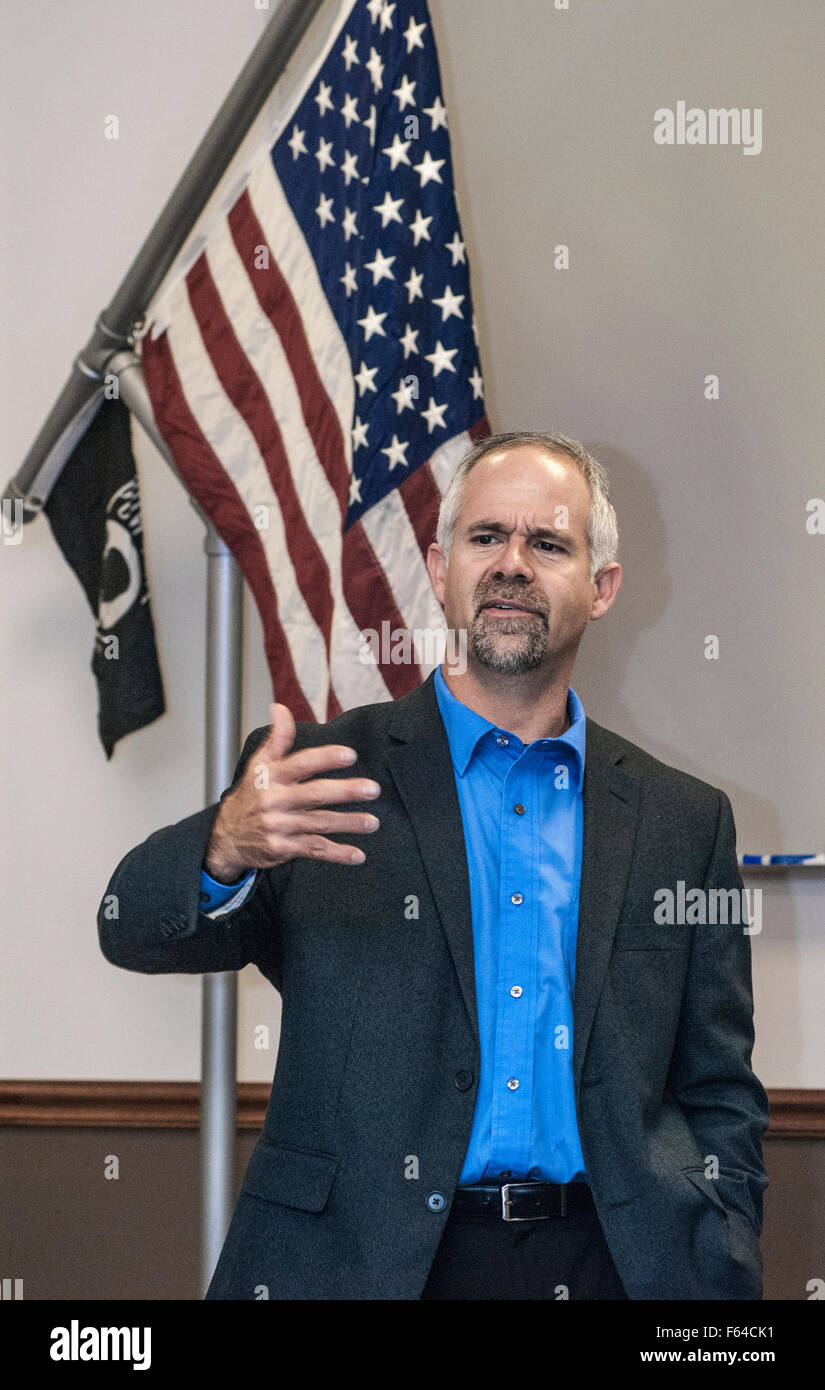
x,y
94,513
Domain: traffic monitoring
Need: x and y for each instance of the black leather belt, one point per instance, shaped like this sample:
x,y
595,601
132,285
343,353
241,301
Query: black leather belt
x,y
523,1201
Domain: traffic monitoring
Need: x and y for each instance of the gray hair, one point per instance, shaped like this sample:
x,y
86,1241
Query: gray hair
x,y
602,528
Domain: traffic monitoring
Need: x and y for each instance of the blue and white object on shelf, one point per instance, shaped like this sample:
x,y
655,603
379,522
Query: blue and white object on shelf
x,y
807,860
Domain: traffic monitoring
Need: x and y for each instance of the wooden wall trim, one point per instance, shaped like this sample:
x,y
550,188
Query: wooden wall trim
x,y
121,1104
795,1114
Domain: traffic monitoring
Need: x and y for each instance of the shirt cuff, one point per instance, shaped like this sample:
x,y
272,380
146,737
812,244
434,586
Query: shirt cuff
x,y
218,899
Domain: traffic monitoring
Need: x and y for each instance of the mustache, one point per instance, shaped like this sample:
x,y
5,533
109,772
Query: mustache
x,y
530,601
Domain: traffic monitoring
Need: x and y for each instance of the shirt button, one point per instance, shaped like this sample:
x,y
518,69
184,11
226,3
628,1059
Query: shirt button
x,y
436,1201
519,809
517,898
516,991
512,1084
503,740
204,897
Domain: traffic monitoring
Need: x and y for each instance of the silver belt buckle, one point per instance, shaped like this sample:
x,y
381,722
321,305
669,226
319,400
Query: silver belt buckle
x,y
505,1205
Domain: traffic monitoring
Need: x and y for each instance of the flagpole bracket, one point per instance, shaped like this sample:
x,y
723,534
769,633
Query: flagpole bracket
x,y
120,340
32,504
213,542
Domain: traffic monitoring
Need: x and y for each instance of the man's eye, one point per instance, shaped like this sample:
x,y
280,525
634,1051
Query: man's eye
x,y
486,536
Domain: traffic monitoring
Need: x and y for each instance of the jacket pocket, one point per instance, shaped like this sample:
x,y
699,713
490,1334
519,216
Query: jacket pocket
x,y
294,1177
696,1175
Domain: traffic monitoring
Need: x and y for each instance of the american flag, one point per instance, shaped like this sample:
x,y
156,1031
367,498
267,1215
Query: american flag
x,y
316,372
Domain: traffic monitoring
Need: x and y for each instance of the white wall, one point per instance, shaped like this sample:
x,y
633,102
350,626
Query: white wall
x,y
684,262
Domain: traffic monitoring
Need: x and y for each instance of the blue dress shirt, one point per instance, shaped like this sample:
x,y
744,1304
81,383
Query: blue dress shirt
x,y
522,812
215,894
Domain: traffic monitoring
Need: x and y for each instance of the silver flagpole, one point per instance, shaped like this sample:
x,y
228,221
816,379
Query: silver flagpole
x,y
108,350
219,994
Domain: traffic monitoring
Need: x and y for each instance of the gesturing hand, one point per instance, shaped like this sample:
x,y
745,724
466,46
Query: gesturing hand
x,y
274,814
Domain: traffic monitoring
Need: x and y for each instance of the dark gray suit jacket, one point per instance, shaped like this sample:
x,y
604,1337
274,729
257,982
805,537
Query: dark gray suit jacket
x,y
379,1053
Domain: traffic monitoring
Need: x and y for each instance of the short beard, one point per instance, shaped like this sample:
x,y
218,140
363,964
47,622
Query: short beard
x,y
525,655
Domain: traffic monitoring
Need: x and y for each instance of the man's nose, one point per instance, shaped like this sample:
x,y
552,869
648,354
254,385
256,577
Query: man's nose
x,y
516,558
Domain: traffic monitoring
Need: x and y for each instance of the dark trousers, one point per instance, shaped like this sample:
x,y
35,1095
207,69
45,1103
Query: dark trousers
x,y
560,1257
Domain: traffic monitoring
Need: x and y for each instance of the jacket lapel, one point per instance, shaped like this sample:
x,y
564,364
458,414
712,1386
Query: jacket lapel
x,y
419,750
420,763
611,812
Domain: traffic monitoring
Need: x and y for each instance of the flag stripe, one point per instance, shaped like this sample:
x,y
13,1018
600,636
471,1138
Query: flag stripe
x,y
291,260
278,304
244,390
203,474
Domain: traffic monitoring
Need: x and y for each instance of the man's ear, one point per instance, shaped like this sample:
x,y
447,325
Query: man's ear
x,y
437,569
607,582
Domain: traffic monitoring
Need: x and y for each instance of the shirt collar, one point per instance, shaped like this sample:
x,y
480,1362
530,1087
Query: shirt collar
x,y
465,727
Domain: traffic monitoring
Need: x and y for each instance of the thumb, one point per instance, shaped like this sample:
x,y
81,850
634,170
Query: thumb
x,y
281,734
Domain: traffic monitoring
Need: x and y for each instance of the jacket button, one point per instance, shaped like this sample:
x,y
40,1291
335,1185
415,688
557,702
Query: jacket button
x,y
436,1201
463,1080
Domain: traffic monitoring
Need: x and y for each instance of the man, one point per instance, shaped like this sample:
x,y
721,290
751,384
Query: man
x,y
501,1072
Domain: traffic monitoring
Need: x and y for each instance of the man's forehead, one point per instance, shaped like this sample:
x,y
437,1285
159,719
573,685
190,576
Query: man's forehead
x,y
525,486
525,466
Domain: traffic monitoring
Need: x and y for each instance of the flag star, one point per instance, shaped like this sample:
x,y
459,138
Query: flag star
x,y
375,68
409,341
434,415
349,167
349,55
348,225
477,384
372,323
354,490
413,285
380,268
348,110
364,379
322,154
437,114
375,7
441,358
324,99
397,151
297,144
475,329
348,279
370,124
457,250
419,227
324,210
448,304
359,433
395,452
388,210
403,397
413,34
386,16
428,169
405,93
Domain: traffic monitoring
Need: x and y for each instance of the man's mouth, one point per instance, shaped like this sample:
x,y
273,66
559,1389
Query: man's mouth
x,y
502,606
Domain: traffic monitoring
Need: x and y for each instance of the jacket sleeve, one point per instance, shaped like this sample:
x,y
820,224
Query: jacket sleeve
x,y
710,1074
150,918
